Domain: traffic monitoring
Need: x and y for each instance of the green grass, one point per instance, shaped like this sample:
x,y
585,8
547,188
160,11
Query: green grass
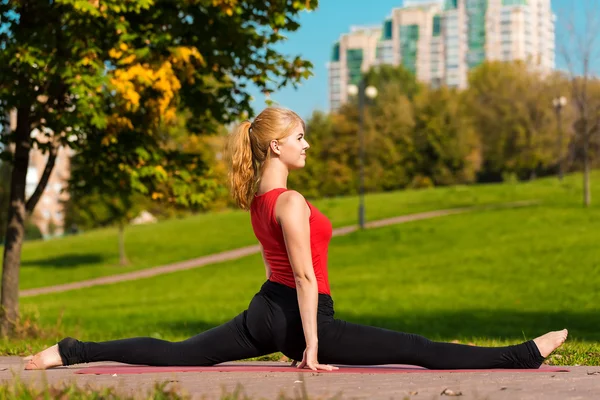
x,y
94,254
489,277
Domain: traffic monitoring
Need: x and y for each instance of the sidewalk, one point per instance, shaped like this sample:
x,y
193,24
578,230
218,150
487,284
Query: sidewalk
x,y
245,251
579,383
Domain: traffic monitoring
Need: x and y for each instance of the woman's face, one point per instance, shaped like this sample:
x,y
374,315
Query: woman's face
x,y
292,149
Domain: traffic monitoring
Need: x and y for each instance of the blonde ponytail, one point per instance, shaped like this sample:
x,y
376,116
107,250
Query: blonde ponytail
x,y
241,172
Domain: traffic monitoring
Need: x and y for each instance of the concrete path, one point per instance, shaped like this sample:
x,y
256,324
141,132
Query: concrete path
x,y
579,383
245,251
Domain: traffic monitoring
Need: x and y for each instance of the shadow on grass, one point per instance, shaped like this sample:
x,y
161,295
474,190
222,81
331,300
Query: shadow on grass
x,y
67,260
464,324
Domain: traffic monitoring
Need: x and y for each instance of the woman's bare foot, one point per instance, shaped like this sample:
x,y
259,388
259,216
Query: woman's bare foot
x,y
48,358
550,341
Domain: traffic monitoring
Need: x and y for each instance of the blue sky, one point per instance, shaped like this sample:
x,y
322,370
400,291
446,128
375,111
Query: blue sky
x,y
321,28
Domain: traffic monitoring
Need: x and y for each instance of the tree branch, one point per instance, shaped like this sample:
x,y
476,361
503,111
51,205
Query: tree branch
x,y
35,197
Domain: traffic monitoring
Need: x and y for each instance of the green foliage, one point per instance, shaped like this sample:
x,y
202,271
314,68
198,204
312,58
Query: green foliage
x,y
446,145
390,145
404,80
503,126
512,110
57,67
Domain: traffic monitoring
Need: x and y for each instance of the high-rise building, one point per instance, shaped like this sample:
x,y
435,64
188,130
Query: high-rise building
x,y
441,40
354,53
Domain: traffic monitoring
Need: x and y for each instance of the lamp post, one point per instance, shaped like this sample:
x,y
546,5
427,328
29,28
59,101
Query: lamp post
x,y
559,103
370,92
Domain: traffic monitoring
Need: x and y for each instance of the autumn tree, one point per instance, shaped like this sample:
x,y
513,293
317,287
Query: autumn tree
x,y
66,62
512,109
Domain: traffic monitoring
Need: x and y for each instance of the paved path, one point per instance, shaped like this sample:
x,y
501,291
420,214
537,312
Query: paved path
x,y
245,251
579,383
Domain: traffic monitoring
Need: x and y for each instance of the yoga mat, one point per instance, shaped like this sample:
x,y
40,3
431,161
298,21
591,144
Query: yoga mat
x,y
344,369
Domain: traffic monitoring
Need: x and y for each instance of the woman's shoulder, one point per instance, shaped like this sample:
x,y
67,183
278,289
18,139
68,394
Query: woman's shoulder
x,y
291,201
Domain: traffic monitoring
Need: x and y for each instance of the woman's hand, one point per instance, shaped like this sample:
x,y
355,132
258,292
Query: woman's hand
x,y
309,358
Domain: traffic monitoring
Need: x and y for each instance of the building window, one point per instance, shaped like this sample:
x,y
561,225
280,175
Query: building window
x,y
451,4
409,37
335,53
437,25
354,59
387,30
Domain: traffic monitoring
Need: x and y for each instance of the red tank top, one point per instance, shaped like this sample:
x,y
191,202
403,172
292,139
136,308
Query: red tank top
x,y
270,235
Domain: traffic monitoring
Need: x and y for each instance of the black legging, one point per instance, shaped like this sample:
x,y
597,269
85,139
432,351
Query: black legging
x,y
272,323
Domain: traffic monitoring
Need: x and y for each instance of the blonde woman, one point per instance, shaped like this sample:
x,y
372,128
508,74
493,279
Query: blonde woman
x,y
293,311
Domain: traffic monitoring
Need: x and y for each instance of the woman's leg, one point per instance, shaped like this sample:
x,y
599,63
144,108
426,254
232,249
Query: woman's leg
x,y
343,342
228,342
234,340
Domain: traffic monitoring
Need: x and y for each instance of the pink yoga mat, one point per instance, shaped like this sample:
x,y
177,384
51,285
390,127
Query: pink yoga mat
x,y
344,369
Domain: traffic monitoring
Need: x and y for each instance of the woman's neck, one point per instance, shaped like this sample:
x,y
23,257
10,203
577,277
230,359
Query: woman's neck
x,y
274,176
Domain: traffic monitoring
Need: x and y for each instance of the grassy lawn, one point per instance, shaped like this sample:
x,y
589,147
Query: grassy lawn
x,y
489,277
95,254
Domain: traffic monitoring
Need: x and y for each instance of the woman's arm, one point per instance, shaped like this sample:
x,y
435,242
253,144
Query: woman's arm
x,y
267,267
293,215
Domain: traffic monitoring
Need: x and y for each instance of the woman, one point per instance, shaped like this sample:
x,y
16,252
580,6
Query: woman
x,y
293,311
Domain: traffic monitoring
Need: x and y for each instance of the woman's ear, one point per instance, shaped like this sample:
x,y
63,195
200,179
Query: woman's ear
x,y
275,147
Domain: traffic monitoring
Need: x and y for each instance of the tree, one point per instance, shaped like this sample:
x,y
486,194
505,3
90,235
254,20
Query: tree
x,y
62,60
512,109
403,79
446,144
389,142
580,53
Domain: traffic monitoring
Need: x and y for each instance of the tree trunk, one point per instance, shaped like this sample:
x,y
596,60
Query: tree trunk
x,y
587,194
122,255
15,230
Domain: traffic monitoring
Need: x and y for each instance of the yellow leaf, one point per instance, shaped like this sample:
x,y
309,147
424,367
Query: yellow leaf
x,y
129,59
160,170
114,53
123,47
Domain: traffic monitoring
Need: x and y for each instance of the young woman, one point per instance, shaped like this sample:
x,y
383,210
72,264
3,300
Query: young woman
x,y
293,311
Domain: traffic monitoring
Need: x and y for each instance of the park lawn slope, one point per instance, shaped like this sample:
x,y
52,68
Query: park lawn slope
x,y
489,277
94,254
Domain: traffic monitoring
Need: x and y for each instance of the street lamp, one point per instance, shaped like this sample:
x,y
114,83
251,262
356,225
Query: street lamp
x,y
370,92
559,103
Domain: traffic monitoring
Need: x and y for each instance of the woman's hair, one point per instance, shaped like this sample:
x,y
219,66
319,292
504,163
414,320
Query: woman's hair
x,y
249,150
